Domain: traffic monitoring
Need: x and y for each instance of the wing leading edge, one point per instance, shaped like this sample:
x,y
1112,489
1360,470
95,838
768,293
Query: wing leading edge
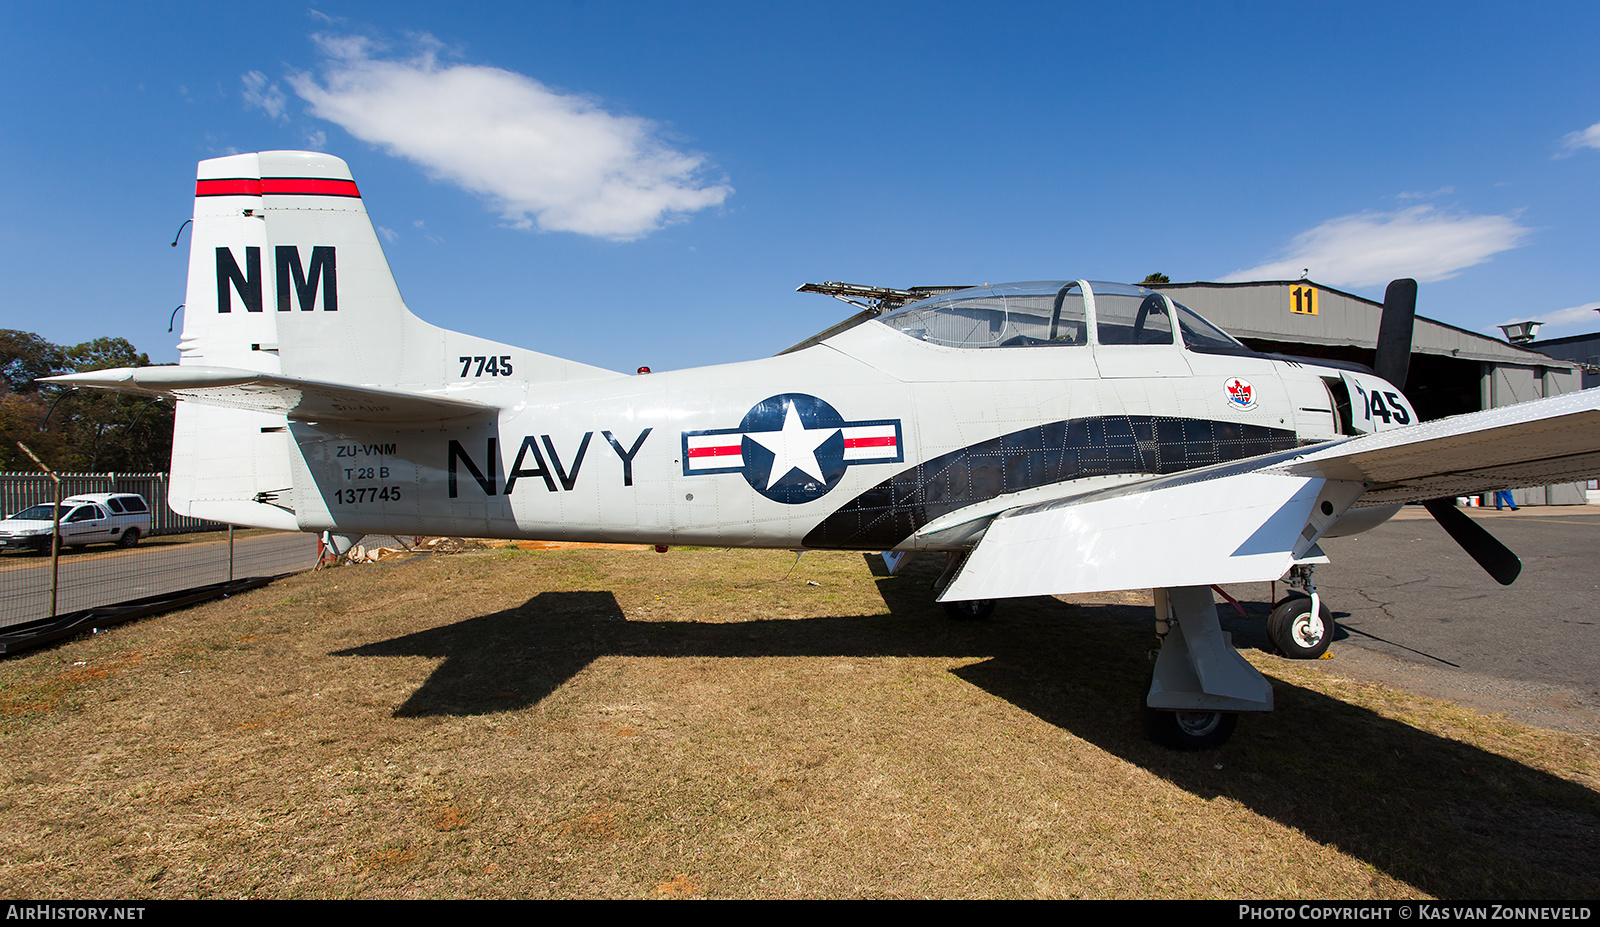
x,y
1249,521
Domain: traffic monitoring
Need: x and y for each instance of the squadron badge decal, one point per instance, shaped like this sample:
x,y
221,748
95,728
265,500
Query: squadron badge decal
x,y
791,448
1241,395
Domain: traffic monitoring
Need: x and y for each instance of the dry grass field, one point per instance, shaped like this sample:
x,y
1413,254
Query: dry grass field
x,y
707,723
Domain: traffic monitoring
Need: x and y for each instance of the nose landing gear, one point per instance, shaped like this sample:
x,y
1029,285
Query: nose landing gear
x,y
1301,627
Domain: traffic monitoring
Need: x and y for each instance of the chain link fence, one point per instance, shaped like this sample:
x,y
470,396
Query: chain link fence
x,y
179,553
21,490
108,576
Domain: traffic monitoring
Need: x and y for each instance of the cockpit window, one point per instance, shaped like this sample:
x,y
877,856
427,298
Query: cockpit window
x,y
1130,315
1201,335
1007,316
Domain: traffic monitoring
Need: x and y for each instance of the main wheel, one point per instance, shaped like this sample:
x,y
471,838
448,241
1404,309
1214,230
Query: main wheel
x,y
130,538
1298,634
972,610
1190,730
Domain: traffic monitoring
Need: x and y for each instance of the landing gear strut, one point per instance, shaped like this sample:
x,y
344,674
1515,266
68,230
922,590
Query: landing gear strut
x,y
1200,683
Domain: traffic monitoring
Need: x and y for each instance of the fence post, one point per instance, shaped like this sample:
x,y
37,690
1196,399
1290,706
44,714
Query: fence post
x,y
55,528
230,553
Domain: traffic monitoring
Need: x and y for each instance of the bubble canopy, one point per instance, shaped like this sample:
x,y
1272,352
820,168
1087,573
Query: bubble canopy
x,y
1059,313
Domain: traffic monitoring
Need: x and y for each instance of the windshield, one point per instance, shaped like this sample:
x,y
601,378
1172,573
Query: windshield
x,y
39,512
1201,335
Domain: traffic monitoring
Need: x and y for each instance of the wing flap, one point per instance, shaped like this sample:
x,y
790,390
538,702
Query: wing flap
x,y
1233,527
299,399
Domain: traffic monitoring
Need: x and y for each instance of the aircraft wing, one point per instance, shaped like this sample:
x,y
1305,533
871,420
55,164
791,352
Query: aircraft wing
x,y
1528,444
1250,520
299,399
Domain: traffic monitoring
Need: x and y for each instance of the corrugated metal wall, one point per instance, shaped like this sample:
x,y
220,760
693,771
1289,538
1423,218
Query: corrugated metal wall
x,y
20,490
1505,385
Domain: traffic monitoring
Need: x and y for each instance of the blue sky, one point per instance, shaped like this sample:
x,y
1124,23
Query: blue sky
x,y
646,183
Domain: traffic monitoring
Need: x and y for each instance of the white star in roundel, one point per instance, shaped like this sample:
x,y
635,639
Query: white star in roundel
x,y
793,448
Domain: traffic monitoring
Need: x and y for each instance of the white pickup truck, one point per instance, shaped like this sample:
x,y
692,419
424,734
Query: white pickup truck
x,y
92,518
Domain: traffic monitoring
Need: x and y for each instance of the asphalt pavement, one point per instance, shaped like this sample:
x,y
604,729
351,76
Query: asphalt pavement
x,y
1414,610
104,576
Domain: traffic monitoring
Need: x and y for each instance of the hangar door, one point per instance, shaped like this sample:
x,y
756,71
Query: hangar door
x,y
1508,385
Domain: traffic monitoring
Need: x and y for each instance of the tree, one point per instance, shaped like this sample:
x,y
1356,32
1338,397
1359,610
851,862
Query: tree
x,y
87,429
19,421
1154,280
104,353
24,357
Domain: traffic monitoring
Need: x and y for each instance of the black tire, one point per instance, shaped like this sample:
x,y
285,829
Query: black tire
x,y
1190,730
971,610
130,538
1293,631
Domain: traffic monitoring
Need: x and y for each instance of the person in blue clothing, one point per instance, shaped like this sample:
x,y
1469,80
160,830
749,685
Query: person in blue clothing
x,y
1503,497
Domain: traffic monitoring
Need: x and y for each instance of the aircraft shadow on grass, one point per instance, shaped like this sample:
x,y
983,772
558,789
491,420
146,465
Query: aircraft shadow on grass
x,y
1447,818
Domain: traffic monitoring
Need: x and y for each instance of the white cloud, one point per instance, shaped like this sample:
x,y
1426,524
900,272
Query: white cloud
x,y
1371,248
1588,138
542,158
259,92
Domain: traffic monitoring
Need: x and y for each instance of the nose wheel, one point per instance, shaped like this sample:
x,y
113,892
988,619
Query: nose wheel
x,y
1299,633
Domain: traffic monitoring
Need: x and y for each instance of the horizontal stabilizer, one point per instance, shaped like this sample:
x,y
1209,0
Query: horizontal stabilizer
x,y
299,399
1528,444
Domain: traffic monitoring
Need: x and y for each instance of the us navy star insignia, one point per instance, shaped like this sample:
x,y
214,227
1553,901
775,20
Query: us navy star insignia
x,y
791,448
794,447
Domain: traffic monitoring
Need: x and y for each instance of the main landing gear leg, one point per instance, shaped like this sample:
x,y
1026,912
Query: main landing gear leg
x,y
1201,682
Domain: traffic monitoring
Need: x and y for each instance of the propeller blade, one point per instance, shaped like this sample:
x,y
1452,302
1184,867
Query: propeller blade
x,y
1495,558
1393,358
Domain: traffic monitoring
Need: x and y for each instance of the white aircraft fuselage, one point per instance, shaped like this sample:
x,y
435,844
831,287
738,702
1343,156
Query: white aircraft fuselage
x,y
884,441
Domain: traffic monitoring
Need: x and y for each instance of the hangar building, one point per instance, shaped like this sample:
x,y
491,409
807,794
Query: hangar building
x,y
1580,349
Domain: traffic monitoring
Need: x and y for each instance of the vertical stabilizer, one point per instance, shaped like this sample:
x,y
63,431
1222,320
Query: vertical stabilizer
x,y
228,465
286,276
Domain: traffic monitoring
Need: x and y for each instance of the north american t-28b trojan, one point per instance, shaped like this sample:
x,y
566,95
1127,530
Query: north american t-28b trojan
x,y
1049,438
